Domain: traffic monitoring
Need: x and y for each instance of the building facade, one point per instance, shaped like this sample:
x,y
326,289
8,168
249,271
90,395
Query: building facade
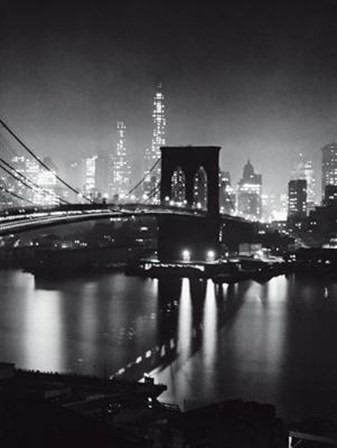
x,y
297,198
226,193
329,166
152,154
303,169
121,166
249,193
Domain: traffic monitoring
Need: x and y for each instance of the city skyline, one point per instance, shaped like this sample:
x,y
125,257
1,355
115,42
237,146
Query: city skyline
x,y
258,81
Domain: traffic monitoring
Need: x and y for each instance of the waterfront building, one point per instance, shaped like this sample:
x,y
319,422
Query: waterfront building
x,y
249,193
329,166
152,154
297,199
330,195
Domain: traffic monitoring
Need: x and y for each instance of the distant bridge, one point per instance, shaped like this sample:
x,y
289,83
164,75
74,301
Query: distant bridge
x,y
189,178
25,219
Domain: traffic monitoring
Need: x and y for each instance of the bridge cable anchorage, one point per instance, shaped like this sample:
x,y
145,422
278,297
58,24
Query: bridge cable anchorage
x,y
144,177
15,195
27,182
19,140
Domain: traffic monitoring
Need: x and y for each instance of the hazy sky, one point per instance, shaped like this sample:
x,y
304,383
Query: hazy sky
x,y
259,80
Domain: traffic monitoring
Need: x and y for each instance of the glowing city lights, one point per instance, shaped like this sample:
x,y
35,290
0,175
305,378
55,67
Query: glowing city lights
x,y
186,255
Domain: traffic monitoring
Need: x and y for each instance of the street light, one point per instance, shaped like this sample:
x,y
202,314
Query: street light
x,y
186,255
210,255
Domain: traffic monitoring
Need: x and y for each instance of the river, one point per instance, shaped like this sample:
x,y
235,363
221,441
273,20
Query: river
x,y
271,343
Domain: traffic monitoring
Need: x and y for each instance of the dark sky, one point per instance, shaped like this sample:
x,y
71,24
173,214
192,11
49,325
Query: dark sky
x,y
259,80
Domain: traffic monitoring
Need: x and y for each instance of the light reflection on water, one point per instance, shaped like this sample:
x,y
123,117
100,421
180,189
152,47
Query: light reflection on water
x,y
271,342
210,330
184,336
43,346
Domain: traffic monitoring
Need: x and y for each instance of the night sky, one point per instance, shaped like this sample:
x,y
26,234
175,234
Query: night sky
x,y
259,80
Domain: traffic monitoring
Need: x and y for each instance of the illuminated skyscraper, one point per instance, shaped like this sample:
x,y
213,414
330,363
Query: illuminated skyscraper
x,y
46,179
297,197
303,169
90,176
249,193
121,170
103,174
226,193
152,155
329,166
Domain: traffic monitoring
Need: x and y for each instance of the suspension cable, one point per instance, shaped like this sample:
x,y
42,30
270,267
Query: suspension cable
x,y
144,177
41,162
15,195
25,181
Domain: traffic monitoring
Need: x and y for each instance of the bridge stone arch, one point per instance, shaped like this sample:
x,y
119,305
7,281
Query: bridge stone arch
x,y
178,233
191,159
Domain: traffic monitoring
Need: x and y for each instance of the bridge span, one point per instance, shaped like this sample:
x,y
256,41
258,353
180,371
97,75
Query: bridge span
x,y
26,219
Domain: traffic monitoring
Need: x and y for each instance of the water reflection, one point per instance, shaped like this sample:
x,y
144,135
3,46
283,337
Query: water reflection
x,y
43,327
210,326
185,322
269,342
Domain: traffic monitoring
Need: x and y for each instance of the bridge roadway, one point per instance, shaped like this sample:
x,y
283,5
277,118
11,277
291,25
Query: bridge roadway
x,y
26,219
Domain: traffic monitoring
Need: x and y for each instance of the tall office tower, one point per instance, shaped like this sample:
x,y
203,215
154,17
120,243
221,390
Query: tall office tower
x,y
19,164
249,193
226,193
329,166
31,169
121,168
43,178
103,175
303,169
90,176
47,181
297,199
270,206
152,155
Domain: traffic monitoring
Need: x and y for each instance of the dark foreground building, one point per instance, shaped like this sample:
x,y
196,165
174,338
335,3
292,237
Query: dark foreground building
x,y
55,410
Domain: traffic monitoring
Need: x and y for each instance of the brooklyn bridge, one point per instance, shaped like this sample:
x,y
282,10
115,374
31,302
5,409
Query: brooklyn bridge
x,y
183,222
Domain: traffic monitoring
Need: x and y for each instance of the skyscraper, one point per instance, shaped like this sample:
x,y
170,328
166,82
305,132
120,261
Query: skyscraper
x,y
329,166
249,193
103,174
303,169
90,176
121,167
297,198
152,155
226,193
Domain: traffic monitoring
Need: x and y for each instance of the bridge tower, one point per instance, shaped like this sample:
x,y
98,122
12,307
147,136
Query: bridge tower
x,y
193,237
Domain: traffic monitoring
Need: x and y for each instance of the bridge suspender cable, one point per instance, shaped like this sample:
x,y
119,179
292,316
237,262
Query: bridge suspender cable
x,y
153,192
144,177
42,163
16,195
27,182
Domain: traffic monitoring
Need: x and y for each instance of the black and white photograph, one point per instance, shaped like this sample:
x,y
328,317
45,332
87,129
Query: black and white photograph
x,y
168,223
